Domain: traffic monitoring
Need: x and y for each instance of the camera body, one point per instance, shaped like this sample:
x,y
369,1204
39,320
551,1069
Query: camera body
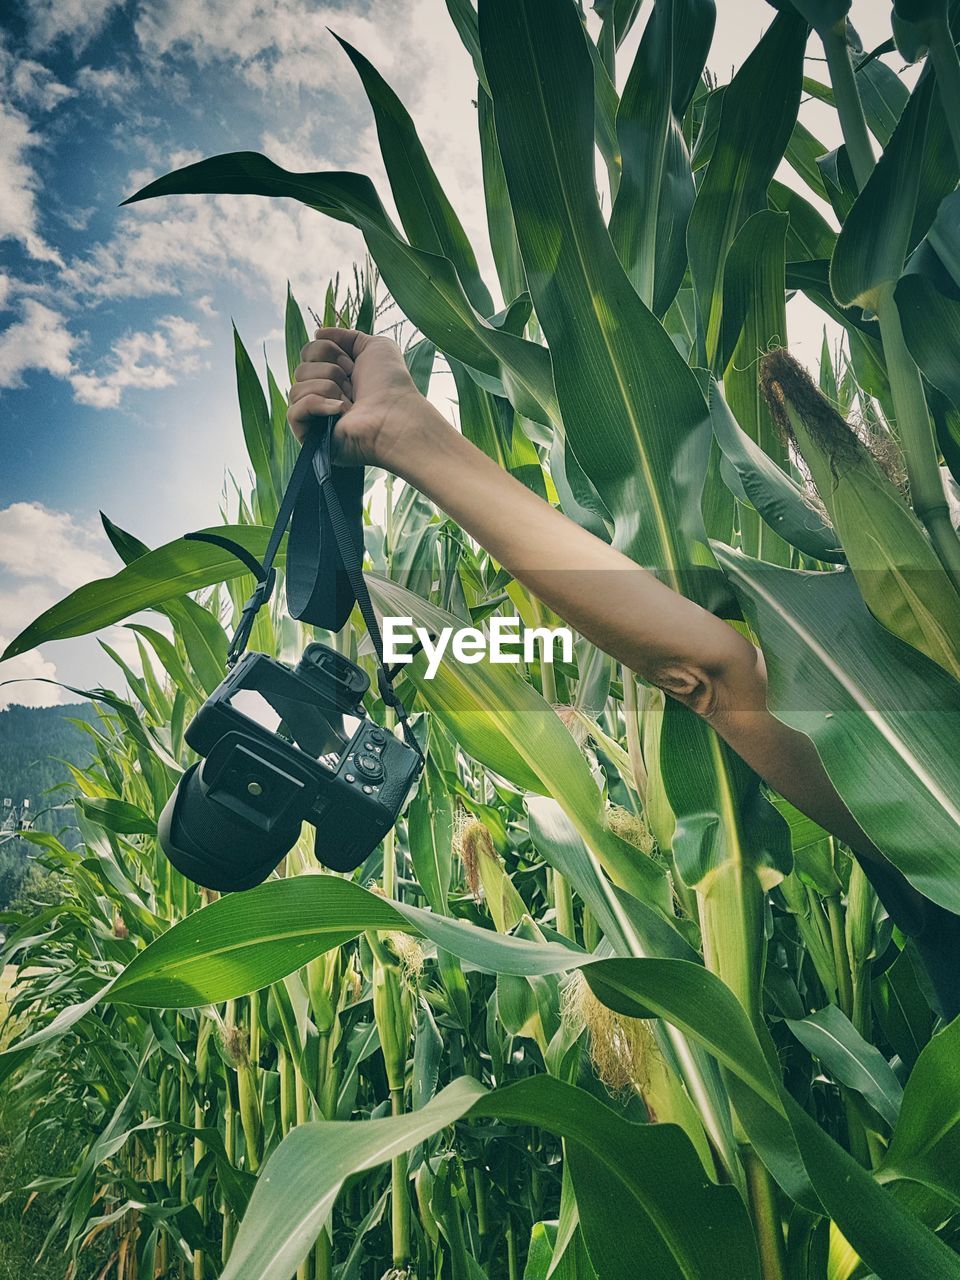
x,y
283,745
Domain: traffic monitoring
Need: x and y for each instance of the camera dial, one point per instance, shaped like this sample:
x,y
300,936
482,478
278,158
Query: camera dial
x,y
369,766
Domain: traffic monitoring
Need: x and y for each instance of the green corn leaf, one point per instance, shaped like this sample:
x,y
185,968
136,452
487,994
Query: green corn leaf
x,y
172,663
743,160
884,1233
257,434
898,204
777,496
283,442
809,236
464,18
420,360
605,106
839,181
200,633
425,286
640,1188
802,153
883,717
902,1011
556,839
152,579
501,720
295,335
754,321
832,1037
425,212
944,237
203,638
14,1056
118,816
648,223
481,420
625,13
703,778
928,298
243,942
430,826
500,223
898,572
577,497
925,1142
882,93
127,546
161,697
607,348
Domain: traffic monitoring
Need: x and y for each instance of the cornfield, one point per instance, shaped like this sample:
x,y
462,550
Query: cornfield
x,y
601,1006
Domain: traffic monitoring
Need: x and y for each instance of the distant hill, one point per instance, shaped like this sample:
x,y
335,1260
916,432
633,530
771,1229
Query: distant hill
x,y
34,741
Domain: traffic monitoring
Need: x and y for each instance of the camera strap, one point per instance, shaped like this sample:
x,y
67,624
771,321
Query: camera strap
x,y
323,582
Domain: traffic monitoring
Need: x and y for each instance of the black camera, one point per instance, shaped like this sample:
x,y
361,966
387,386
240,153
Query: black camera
x,y
284,745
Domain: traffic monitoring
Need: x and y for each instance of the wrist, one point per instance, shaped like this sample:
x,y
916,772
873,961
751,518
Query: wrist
x,y
410,428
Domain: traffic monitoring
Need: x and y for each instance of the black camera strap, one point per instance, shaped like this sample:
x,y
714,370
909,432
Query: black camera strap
x,y
314,462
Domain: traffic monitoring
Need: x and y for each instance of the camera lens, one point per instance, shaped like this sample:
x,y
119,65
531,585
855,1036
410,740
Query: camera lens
x,y
214,847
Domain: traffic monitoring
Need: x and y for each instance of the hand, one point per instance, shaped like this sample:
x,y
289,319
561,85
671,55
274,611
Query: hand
x,y
365,380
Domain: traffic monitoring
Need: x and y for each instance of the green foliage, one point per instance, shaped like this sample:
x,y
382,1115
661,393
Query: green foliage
x,y
35,743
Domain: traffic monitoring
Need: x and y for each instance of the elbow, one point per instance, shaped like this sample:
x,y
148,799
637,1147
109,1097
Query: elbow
x,y
731,684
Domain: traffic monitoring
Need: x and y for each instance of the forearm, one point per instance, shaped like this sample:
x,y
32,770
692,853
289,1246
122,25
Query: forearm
x,y
622,608
604,595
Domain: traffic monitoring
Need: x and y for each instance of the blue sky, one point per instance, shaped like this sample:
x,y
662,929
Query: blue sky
x,y
116,379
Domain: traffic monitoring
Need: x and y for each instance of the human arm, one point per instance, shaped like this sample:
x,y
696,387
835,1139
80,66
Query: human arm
x,y
622,608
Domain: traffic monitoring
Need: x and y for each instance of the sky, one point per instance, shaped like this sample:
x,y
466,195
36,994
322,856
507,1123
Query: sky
x,y
117,389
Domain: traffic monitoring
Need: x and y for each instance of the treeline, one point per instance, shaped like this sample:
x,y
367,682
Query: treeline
x,y
34,744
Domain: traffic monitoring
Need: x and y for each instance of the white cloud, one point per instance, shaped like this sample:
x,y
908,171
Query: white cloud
x,y
283,45
25,675
272,42
30,83
76,21
112,85
146,361
45,554
38,543
19,219
180,244
39,340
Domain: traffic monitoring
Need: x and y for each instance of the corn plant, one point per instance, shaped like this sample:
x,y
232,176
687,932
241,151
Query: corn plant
x,y
601,1005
